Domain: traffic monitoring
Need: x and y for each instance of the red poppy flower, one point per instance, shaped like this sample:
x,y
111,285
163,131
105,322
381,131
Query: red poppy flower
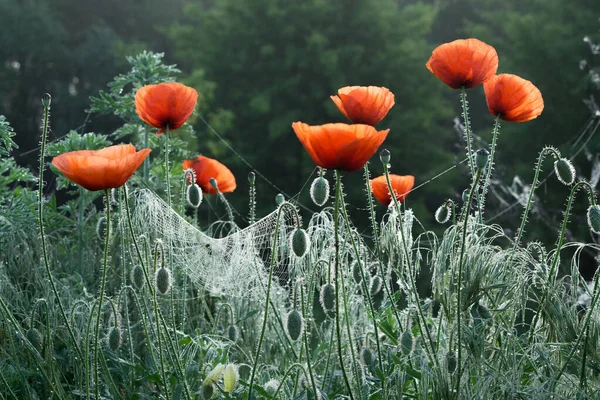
x,y
464,62
402,185
165,105
102,169
364,105
340,146
207,168
513,98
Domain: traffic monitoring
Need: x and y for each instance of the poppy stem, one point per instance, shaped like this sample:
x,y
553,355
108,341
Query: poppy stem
x,y
336,211
465,108
41,225
102,287
459,284
490,166
305,336
146,170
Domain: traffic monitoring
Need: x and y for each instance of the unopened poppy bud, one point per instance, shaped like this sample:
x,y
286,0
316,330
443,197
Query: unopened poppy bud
x,y
319,191
565,172
163,280
385,156
46,99
366,356
481,158
114,338
101,228
279,199
327,297
465,195
251,177
208,391
35,338
300,242
137,277
214,375
233,333
213,183
375,285
294,324
193,195
593,217
271,386
483,312
406,342
230,378
356,273
451,361
443,213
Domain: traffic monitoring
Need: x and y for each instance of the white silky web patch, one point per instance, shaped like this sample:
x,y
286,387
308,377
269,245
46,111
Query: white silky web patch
x,y
236,265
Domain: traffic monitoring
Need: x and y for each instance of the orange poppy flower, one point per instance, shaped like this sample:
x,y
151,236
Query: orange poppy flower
x,y
165,105
402,185
464,62
207,168
364,105
340,146
513,98
102,169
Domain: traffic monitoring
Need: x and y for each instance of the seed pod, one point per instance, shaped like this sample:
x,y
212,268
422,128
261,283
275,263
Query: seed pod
x,y
46,99
137,277
366,356
406,342
319,191
593,218
213,182
163,280
279,199
385,156
251,177
114,338
294,324
327,297
271,386
465,195
101,228
481,158
193,195
207,391
375,285
451,361
565,172
233,333
356,273
230,378
300,242
443,213
35,338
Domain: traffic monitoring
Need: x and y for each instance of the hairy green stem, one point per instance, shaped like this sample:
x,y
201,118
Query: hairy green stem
x,y
465,112
490,166
305,336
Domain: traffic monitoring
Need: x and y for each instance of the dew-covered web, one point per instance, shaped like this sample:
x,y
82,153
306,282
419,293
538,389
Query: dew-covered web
x,y
236,265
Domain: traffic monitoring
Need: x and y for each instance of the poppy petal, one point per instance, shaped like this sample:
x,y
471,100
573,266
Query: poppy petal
x,y
513,98
364,105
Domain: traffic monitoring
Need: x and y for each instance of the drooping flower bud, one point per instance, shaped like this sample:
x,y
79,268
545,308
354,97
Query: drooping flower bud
x,y
300,242
294,324
406,342
193,195
271,386
565,172
163,280
279,199
451,362
114,338
356,273
137,277
375,285
481,158
214,375
233,333
230,378
366,357
319,191
208,391
385,156
443,213
35,338
593,218
327,297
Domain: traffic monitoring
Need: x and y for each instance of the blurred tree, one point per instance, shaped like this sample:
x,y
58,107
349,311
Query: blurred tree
x,y
273,62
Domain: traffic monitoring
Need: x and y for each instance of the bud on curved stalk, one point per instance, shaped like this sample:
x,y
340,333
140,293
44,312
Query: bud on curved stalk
x,y
375,285
233,333
451,362
114,338
565,172
443,213
193,195
385,156
230,378
271,386
327,297
208,391
319,191
294,325
356,273
279,199
366,357
35,338
137,277
593,218
300,242
163,280
214,375
481,158
406,342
